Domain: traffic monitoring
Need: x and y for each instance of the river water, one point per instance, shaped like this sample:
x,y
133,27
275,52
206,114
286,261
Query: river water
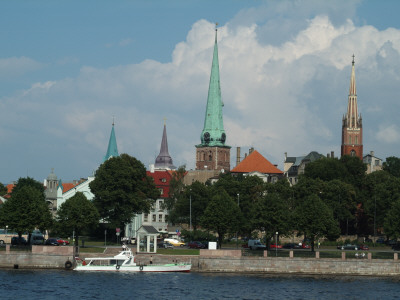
x,y
60,284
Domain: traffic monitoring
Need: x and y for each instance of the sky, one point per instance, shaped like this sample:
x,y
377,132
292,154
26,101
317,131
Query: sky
x,y
68,69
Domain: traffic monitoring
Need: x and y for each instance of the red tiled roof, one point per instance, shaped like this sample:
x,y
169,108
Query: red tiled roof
x,y
256,162
10,188
68,186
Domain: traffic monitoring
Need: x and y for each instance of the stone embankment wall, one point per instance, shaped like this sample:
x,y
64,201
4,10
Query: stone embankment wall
x,y
217,261
231,261
41,257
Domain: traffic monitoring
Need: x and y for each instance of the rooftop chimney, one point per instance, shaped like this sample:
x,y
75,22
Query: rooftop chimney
x,y
237,155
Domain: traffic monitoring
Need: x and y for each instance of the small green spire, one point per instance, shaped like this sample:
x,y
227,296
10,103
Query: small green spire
x,y
112,150
213,133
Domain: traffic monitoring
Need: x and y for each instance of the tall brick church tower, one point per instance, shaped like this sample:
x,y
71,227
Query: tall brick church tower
x,y
352,143
212,153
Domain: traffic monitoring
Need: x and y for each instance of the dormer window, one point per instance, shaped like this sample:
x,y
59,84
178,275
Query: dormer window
x,y
163,179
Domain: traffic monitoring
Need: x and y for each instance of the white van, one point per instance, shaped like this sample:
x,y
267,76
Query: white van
x,y
256,245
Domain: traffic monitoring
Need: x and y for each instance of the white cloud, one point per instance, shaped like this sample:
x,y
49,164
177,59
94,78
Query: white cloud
x,y
286,96
125,42
389,134
16,66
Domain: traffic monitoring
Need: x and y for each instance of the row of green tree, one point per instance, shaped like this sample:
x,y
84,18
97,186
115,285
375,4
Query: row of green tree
x,y
333,197
121,190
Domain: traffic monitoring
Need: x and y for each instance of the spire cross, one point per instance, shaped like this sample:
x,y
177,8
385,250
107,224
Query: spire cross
x,y
165,120
353,57
216,26
113,121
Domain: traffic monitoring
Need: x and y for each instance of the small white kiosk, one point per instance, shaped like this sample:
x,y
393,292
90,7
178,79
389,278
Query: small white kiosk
x,y
146,239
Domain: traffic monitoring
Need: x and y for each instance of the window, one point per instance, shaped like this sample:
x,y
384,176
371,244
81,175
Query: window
x,y
145,217
163,179
160,218
352,153
349,139
154,218
356,140
161,191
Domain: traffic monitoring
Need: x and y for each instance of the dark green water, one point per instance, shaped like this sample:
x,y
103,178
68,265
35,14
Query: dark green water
x,y
54,284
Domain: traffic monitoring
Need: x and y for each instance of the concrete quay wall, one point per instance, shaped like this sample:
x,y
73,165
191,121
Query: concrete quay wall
x,y
41,257
328,266
215,261
231,261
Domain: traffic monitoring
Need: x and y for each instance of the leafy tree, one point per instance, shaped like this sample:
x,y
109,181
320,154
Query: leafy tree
x,y
355,171
222,215
77,214
26,210
28,181
122,189
392,166
380,191
315,219
392,221
3,189
195,196
273,215
325,169
246,191
176,186
340,197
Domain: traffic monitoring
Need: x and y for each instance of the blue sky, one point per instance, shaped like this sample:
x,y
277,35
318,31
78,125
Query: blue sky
x,y
68,67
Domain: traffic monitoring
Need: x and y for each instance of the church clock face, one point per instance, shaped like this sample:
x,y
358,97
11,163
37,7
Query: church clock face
x,y
223,137
206,137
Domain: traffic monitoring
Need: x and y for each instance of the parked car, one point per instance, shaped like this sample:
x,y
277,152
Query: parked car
x,y
52,242
196,245
291,246
256,245
205,243
380,240
62,241
275,246
175,242
16,240
348,247
364,247
165,245
305,246
396,247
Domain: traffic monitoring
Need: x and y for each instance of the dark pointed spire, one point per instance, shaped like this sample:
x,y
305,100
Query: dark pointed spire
x,y
164,160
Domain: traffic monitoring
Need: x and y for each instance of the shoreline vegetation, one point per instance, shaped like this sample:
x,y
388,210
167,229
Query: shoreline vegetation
x,y
377,251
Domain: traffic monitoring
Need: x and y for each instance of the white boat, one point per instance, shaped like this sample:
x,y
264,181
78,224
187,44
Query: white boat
x,y
125,261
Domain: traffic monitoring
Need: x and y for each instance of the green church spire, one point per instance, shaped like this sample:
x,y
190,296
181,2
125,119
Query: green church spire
x,y
213,133
112,150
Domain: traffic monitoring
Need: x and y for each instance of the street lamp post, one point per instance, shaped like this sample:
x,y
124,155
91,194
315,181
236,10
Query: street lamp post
x,y
237,237
190,208
276,244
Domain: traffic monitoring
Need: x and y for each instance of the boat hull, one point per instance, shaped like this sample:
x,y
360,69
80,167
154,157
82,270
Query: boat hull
x,y
143,268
